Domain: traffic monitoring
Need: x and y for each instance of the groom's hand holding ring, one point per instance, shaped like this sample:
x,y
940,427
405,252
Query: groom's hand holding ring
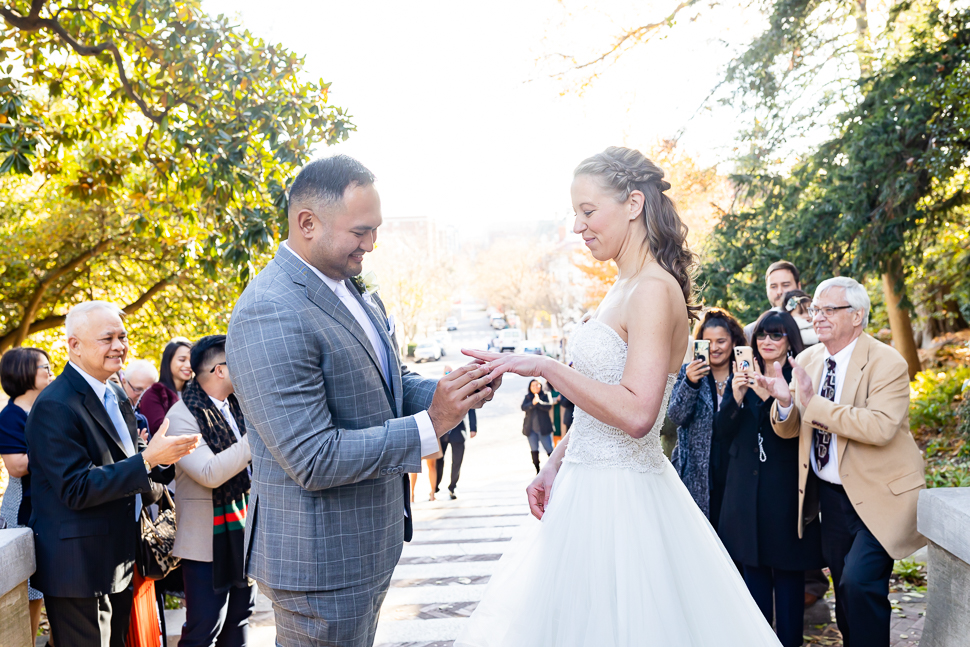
x,y
456,393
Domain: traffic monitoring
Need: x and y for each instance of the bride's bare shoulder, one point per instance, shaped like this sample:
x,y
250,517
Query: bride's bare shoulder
x,y
657,302
657,289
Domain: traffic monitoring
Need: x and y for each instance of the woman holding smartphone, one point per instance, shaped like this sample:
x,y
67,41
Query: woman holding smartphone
x,y
700,460
759,514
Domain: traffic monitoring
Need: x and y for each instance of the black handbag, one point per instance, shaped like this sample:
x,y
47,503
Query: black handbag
x,y
155,559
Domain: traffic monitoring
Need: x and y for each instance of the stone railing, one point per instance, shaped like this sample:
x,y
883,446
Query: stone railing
x,y
16,565
943,518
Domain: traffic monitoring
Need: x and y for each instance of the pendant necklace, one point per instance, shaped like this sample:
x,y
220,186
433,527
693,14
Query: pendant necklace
x,y
720,386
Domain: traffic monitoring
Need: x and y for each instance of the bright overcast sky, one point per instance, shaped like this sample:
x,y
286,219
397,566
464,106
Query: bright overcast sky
x,y
458,122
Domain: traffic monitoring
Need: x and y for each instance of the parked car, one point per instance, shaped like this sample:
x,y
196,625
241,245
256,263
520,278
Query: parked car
x,y
506,340
533,349
428,351
498,321
451,323
443,338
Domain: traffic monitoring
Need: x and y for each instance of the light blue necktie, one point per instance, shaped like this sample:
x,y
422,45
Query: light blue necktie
x,y
118,420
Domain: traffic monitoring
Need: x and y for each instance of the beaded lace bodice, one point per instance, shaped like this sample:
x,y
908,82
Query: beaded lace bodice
x,y
598,352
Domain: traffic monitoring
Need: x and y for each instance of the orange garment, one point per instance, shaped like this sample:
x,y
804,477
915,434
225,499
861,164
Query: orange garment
x,y
143,627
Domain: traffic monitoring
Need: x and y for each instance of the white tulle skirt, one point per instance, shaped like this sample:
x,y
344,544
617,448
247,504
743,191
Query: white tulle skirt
x,y
620,559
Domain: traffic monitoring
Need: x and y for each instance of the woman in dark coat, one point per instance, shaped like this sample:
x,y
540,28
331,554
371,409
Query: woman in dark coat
x,y
700,460
759,514
537,425
174,372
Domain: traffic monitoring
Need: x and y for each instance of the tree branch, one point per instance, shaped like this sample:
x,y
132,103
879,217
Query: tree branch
x,y
53,321
30,311
33,22
634,34
150,293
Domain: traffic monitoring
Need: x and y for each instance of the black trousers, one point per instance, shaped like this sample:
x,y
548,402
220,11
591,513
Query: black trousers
x,y
90,622
214,618
860,571
457,455
782,592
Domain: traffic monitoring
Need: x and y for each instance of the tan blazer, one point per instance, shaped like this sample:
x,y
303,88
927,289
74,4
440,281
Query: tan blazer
x,y
879,463
195,477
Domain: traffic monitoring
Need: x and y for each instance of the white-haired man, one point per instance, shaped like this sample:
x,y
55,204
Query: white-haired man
x,y
89,473
858,463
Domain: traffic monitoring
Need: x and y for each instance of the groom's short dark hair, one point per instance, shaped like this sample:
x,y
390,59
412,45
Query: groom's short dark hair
x,y
326,179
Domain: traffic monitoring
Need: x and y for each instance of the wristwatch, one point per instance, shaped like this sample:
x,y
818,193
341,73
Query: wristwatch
x,y
148,467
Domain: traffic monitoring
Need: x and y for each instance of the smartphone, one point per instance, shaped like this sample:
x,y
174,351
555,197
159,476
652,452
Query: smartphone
x,y
744,357
702,350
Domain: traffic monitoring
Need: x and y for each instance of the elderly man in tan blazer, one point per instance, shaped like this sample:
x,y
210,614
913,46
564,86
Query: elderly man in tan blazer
x,y
858,463
211,496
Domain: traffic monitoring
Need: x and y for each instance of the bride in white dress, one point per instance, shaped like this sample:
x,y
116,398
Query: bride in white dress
x,y
623,556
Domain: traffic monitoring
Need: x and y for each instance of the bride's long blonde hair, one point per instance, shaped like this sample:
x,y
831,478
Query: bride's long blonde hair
x,y
626,170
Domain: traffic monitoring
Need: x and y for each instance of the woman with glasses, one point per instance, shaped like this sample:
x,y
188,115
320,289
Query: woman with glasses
x,y
700,460
24,373
759,514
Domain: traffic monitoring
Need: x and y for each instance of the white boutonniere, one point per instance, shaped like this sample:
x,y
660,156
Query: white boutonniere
x,y
366,285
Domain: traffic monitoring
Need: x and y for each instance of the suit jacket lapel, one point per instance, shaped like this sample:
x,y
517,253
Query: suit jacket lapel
x,y
390,383
324,298
94,406
853,378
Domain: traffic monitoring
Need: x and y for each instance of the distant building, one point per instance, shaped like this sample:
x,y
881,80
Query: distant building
x,y
431,237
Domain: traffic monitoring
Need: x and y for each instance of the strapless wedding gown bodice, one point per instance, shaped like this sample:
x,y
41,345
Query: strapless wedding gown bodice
x,y
598,352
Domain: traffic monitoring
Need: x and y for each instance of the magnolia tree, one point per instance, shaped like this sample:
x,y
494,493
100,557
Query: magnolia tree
x,y
145,149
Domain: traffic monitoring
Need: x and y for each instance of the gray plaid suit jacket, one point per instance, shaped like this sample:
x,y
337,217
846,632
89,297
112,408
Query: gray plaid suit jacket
x,y
327,508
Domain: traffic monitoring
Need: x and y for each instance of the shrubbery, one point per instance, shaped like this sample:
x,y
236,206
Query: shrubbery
x,y
940,420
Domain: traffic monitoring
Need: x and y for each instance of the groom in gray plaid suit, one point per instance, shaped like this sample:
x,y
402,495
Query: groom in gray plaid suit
x,y
339,422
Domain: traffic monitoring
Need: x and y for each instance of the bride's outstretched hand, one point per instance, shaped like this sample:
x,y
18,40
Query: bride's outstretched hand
x,y
501,363
540,492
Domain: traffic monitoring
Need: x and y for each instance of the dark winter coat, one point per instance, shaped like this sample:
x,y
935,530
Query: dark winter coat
x,y
759,513
700,460
540,410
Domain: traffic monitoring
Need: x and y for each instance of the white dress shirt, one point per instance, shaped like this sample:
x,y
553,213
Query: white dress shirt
x,y
830,472
223,407
429,439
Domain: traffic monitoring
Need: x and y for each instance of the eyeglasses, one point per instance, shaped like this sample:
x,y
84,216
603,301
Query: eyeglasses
x,y
45,367
135,389
827,311
775,336
217,366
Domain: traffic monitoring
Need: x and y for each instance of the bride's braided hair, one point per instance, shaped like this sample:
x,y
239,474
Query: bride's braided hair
x,y
626,170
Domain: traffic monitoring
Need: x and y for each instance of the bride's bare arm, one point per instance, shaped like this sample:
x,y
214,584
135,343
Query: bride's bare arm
x,y
539,491
633,405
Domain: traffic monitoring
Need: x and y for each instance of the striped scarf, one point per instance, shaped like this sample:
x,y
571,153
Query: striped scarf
x,y
229,500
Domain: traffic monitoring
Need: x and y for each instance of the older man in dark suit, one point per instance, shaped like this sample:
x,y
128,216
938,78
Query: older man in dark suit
x,y
91,474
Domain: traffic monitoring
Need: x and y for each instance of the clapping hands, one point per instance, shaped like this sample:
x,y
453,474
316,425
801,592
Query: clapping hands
x,y
778,388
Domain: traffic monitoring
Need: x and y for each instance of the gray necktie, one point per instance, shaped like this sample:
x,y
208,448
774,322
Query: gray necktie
x,y
121,428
